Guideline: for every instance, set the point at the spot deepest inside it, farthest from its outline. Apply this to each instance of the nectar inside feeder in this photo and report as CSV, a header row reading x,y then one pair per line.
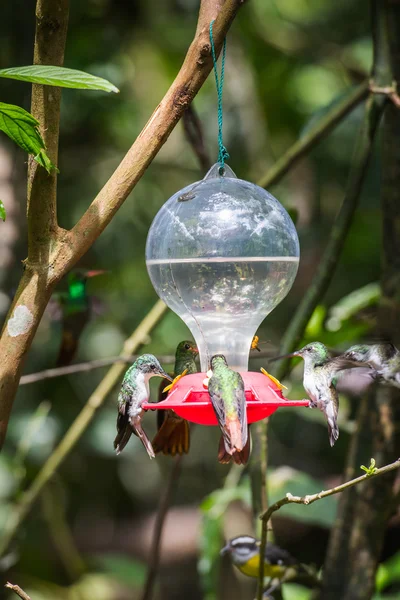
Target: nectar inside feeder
x,y
222,253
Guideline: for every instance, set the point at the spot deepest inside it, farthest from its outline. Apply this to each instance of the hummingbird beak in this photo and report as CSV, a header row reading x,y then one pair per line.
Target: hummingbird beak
x,y
90,274
292,355
162,373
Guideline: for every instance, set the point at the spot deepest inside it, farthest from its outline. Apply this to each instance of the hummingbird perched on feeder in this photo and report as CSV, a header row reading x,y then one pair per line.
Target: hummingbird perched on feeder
x,y
226,389
319,381
383,358
76,311
134,391
173,436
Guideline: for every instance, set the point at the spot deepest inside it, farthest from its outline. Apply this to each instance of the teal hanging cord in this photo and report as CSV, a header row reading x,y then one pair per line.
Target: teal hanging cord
x,y
219,81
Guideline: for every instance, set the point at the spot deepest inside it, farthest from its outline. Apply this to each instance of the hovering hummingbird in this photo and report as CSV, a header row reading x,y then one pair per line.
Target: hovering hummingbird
x,y
319,381
76,310
135,391
383,358
173,434
226,389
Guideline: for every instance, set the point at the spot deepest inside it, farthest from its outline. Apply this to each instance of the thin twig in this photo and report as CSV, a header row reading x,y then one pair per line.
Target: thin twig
x,y
99,363
163,505
313,136
82,421
311,498
306,500
17,590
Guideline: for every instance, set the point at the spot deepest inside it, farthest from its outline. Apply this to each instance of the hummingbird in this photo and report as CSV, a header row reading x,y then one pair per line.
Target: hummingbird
x,y
173,434
134,391
383,358
319,381
76,311
226,389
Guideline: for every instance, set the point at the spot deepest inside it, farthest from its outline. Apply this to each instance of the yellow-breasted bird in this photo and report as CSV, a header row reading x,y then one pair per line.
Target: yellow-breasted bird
x,y
173,436
226,389
244,552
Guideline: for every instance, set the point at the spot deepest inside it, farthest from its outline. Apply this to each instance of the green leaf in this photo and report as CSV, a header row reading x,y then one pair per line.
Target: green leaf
x,y
2,211
23,129
59,76
371,470
388,573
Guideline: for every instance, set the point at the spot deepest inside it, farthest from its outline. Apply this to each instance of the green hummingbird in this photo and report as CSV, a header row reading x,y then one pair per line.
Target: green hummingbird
x,y
319,381
134,391
76,310
226,389
383,358
173,436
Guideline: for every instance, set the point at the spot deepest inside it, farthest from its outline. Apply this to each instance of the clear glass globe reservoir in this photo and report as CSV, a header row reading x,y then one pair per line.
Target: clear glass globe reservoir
x,y
222,253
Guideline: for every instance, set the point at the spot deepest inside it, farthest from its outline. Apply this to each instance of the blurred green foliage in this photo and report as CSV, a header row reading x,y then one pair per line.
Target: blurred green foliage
x,y
288,61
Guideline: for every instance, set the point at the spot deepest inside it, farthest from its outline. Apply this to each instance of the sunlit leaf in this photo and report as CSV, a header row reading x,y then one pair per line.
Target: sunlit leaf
x,y
59,76
388,572
2,211
23,129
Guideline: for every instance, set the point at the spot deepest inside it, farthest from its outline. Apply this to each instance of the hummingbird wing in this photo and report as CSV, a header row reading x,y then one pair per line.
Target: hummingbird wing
x,y
229,402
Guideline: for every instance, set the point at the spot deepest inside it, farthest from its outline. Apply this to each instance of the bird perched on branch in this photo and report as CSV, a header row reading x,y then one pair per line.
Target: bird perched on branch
x,y
135,391
226,389
383,358
173,436
76,310
244,552
319,381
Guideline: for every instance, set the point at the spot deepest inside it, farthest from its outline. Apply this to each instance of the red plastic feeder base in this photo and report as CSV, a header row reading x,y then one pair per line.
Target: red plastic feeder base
x,y
190,399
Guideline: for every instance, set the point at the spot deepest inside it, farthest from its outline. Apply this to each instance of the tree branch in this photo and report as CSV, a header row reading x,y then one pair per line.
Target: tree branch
x,y
310,499
330,258
313,136
20,511
194,71
20,592
99,363
37,281
52,256
50,38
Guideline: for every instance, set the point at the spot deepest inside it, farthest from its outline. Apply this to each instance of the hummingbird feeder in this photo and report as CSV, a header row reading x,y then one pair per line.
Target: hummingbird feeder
x,y
222,253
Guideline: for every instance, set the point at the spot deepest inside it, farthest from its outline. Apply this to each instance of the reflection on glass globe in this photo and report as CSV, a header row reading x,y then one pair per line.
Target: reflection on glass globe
x,y
222,253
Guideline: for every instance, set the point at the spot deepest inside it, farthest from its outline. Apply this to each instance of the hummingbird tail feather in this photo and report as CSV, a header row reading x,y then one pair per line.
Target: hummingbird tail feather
x,y
137,425
122,438
333,432
235,435
173,437
239,457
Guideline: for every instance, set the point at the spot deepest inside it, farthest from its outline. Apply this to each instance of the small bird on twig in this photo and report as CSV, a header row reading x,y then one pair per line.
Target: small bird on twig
x,y
226,389
135,391
173,436
319,381
279,564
